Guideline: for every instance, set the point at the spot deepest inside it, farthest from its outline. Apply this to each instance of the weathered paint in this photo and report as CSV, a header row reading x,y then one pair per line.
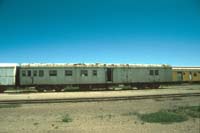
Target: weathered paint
x,y
174,76
188,73
120,75
61,78
7,74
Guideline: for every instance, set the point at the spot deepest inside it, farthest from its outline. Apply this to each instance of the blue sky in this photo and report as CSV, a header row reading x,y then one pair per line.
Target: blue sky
x,y
105,31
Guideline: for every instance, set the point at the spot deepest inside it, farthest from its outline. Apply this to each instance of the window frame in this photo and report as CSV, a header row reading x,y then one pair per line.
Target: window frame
x,y
156,72
41,73
53,73
84,73
151,72
35,73
68,73
195,74
23,73
29,73
94,73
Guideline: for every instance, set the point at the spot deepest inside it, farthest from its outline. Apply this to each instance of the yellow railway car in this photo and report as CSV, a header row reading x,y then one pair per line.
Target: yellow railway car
x,y
186,74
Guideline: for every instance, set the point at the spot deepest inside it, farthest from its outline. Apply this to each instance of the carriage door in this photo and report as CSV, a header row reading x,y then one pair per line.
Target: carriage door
x,y
157,75
179,76
29,77
151,76
154,75
109,75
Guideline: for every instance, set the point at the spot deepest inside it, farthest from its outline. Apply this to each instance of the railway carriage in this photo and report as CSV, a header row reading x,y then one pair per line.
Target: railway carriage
x,y
89,76
58,76
8,73
186,74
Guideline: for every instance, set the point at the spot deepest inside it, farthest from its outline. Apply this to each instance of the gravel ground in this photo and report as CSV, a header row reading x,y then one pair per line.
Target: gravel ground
x,y
95,117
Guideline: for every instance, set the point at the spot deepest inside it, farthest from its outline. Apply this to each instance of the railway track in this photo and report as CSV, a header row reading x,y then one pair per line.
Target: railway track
x,y
97,99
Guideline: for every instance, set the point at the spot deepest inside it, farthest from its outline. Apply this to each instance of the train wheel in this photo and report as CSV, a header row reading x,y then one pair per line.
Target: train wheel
x,y
141,87
58,90
39,89
153,86
156,86
2,90
150,86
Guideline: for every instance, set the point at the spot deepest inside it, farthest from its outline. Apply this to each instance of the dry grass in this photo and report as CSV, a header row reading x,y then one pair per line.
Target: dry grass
x,y
168,116
66,118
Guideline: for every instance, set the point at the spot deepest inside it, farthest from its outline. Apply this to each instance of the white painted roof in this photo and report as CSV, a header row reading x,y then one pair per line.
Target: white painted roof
x,y
8,64
186,68
90,65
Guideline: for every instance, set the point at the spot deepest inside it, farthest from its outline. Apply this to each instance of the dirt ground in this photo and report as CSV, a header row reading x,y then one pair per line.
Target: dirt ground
x,y
95,117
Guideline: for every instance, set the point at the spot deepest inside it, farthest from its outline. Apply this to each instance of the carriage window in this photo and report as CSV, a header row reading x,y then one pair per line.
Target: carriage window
x,y
41,73
150,72
156,72
29,73
23,73
68,72
52,73
94,72
84,73
195,74
35,73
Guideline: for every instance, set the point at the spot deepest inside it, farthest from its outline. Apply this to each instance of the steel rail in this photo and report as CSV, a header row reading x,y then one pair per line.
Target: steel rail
x,y
97,99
